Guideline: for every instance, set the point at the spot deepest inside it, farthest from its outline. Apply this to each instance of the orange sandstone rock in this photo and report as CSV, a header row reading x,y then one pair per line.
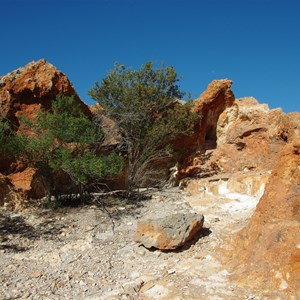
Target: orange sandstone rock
x,y
28,89
29,183
211,104
249,136
8,195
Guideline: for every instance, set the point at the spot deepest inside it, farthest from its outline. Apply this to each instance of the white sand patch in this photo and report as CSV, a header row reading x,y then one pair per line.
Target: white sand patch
x,y
241,202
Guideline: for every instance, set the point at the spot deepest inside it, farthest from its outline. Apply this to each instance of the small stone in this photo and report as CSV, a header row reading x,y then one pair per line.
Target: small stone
x,y
26,295
141,251
171,271
158,253
37,274
157,292
89,228
81,283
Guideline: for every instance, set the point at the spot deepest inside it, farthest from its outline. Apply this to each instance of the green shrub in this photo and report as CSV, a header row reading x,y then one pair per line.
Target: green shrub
x,y
143,104
63,140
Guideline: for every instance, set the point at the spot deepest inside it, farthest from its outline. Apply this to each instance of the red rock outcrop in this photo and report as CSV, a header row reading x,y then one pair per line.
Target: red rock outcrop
x,y
24,92
28,89
266,253
249,136
211,104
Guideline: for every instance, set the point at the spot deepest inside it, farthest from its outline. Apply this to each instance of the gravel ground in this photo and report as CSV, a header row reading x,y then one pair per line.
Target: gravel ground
x,y
87,252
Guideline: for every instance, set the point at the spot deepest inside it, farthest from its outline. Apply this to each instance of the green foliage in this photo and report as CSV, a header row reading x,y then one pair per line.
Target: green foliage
x,y
143,104
65,140
9,146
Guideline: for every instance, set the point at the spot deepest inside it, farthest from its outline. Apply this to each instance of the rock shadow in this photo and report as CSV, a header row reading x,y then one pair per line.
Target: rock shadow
x,y
120,205
14,228
202,233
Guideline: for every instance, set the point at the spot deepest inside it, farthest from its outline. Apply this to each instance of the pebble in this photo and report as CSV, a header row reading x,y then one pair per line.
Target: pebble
x,y
158,253
37,274
141,252
26,295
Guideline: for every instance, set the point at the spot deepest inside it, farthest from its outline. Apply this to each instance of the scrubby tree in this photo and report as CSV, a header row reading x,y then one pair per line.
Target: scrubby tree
x,y
144,104
64,140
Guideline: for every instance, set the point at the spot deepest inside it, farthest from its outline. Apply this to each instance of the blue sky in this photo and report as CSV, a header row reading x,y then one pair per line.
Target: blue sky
x,y
255,43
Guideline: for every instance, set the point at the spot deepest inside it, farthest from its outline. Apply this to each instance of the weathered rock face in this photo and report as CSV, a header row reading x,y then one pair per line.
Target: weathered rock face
x,y
211,104
28,89
249,136
267,251
220,185
255,141
170,232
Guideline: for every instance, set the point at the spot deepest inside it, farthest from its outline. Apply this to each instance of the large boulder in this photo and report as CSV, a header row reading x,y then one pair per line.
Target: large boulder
x,y
266,253
170,232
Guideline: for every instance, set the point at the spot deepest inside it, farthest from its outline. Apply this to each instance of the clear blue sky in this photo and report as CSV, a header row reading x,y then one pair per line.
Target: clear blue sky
x,y
256,43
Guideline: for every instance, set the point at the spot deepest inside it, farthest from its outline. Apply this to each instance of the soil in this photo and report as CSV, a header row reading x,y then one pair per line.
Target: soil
x,y
87,251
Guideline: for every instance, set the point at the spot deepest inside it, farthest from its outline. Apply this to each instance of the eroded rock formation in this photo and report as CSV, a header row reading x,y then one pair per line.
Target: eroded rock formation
x,y
267,251
253,137
211,104
249,136
29,183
